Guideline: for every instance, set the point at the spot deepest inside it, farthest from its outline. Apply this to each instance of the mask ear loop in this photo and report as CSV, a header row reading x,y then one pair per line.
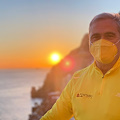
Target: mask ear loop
x,y
117,48
90,42
117,42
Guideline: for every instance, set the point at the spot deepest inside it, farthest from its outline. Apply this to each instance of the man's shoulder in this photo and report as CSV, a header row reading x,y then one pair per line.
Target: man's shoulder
x,y
84,70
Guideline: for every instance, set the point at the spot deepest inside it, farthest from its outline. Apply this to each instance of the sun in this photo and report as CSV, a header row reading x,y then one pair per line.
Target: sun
x,y
55,58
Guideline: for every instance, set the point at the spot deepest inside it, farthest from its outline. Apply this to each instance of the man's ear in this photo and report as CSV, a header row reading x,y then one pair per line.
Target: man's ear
x,y
89,39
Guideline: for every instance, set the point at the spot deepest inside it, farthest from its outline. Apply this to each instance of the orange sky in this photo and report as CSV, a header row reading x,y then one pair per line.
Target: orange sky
x,y
33,53
31,31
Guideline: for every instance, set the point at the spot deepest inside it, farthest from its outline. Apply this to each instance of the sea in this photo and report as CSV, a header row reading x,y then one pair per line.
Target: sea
x,y
15,88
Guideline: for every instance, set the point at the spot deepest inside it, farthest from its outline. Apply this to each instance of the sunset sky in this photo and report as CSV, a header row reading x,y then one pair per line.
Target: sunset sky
x,y
31,30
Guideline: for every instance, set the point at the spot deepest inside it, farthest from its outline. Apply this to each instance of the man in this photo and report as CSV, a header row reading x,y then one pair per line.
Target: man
x,y
94,92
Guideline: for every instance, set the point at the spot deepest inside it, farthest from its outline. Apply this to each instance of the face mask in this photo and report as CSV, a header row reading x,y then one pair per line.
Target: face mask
x,y
104,51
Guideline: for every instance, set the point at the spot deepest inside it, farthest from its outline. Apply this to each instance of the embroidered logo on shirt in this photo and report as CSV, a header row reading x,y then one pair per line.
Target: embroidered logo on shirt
x,y
118,95
84,95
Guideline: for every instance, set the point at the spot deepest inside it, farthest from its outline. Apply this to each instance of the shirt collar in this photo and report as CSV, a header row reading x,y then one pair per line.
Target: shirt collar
x,y
116,65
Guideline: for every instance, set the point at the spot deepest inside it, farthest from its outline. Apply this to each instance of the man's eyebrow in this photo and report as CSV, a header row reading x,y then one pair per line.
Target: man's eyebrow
x,y
95,34
112,33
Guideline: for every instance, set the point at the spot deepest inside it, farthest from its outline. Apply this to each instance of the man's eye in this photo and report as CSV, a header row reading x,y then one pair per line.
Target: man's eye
x,y
95,37
109,36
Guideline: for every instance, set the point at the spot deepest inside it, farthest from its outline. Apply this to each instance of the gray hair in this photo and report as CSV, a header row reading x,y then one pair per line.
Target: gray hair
x,y
114,16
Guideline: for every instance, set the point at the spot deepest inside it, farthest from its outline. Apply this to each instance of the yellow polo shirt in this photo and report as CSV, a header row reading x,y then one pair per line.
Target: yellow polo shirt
x,y
89,96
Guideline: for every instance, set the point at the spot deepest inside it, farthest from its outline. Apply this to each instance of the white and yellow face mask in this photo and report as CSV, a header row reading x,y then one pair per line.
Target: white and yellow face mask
x,y
103,51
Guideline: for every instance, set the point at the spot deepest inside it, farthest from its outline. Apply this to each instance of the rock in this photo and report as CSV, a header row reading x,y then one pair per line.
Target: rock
x,y
39,110
33,92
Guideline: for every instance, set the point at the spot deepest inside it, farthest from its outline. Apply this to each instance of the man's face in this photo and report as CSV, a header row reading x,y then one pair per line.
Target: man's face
x,y
104,29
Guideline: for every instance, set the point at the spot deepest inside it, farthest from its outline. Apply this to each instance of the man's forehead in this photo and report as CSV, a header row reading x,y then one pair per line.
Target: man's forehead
x,y
107,25
108,21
